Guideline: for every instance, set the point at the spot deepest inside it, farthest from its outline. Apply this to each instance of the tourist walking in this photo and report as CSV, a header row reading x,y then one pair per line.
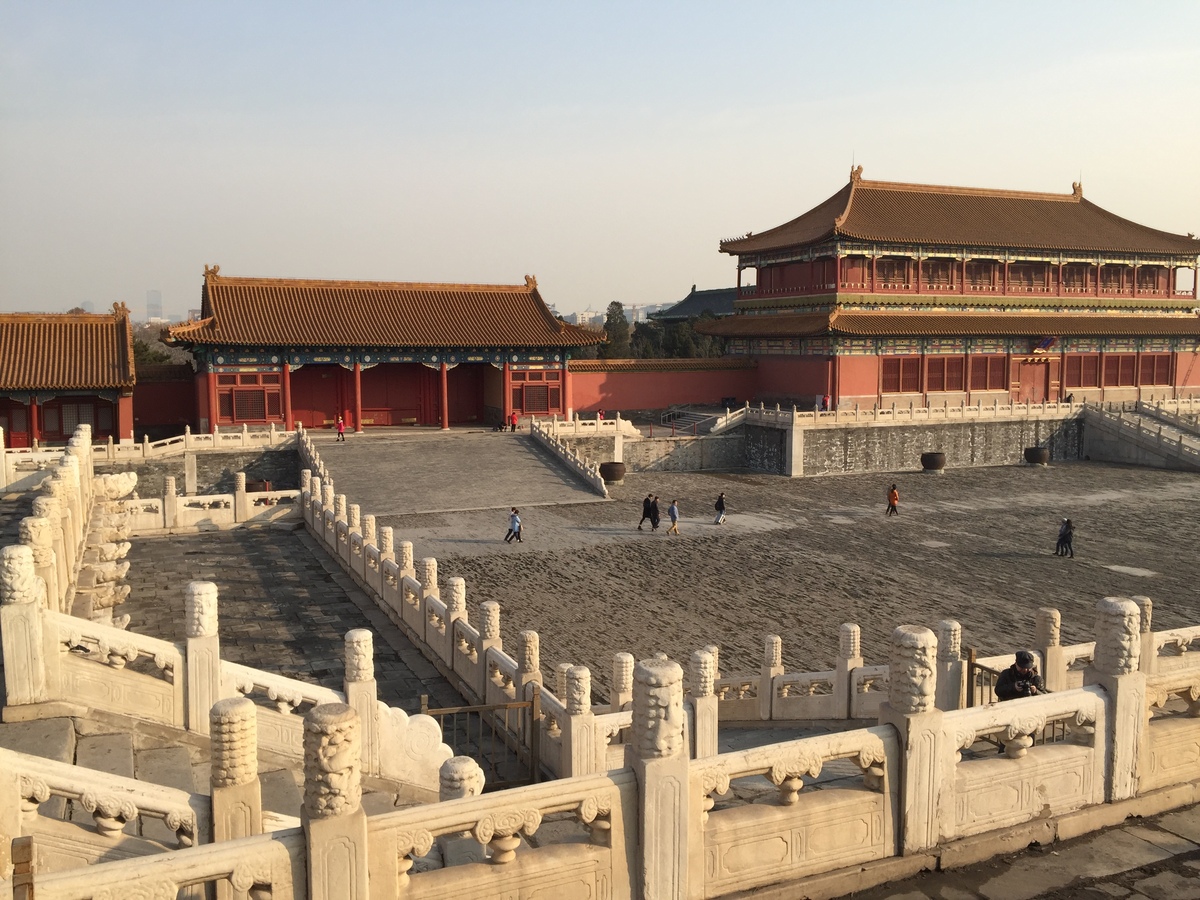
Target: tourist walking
x,y
646,506
514,527
512,421
341,427
655,516
893,501
1068,539
720,508
673,514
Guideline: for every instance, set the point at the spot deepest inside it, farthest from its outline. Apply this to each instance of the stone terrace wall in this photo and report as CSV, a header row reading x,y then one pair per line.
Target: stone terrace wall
x,y
686,454
215,471
890,448
766,449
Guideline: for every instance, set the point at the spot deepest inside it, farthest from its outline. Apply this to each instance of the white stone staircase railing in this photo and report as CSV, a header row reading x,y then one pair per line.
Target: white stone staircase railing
x,y
583,468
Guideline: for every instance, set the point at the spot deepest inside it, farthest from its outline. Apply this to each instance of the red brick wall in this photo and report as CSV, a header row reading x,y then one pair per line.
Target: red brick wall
x,y
163,408
657,390
801,378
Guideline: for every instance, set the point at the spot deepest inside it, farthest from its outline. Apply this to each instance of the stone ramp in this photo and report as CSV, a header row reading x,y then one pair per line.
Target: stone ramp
x,y
407,472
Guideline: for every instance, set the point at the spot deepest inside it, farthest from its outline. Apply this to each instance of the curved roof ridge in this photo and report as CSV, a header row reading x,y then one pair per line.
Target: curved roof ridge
x,y
1074,197
251,281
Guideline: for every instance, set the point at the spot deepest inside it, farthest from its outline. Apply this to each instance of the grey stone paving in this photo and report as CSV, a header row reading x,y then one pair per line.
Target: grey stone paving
x,y
284,607
410,471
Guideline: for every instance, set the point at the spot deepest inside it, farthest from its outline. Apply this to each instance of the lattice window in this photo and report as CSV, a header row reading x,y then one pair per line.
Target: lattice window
x,y
50,420
988,373
225,406
901,374
274,406
226,379
1119,369
249,406
537,399
1155,369
555,397
247,379
104,417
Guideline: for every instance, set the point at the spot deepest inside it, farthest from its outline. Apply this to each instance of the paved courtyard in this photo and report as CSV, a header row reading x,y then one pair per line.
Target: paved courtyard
x,y
407,471
284,607
799,557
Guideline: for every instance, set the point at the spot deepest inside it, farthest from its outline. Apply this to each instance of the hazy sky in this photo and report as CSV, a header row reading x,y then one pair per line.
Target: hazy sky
x,y
604,147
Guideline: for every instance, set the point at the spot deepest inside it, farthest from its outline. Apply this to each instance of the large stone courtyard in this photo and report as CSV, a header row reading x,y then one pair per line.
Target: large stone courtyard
x,y
799,557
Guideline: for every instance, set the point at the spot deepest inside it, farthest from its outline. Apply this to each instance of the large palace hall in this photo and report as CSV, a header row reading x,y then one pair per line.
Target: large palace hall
x,y
904,293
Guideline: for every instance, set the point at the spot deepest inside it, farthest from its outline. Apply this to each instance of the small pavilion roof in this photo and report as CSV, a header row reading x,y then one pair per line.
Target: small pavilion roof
x,y
886,323
894,212
66,351
718,301
302,313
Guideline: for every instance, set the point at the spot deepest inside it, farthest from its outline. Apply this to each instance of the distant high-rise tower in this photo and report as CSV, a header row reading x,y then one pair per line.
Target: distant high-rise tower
x,y
153,305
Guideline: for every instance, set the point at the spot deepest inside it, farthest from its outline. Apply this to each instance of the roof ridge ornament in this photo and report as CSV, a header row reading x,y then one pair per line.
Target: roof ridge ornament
x,y
531,282
1077,189
855,174
211,270
120,310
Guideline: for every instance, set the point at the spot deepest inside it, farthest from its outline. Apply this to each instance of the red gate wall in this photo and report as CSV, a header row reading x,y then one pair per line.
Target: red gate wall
x,y
649,389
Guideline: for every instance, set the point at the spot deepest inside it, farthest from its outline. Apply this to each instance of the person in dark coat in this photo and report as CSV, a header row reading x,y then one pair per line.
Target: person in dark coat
x,y
1021,679
1062,531
655,516
720,508
646,504
1068,538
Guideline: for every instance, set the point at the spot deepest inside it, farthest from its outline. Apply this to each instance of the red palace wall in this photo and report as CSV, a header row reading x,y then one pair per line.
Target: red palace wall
x,y
650,389
1187,373
800,378
857,376
162,408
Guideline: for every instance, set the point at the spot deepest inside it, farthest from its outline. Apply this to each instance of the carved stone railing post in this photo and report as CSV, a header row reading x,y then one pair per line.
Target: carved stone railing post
x,y
716,655
21,633
1148,661
368,530
658,754
1047,634
170,502
335,826
339,508
327,494
387,549
459,777
849,658
37,533
404,559
622,684
354,517
362,694
772,666
305,481
912,711
579,750
704,704
489,637
203,653
529,663
241,503
48,508
1115,668
236,790
951,673
312,515
427,574
560,680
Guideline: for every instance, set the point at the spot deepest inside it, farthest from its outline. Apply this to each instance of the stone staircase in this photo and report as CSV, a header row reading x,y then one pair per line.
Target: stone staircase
x,y
1147,437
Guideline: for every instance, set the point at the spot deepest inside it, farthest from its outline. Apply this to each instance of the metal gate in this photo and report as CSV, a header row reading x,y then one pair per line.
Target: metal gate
x,y
503,738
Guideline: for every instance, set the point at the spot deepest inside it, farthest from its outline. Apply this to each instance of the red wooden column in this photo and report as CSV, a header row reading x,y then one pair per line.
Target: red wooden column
x,y
35,431
358,395
1097,279
1135,280
212,401
506,402
874,259
568,401
287,396
1059,292
124,421
1004,289
963,286
918,273
445,400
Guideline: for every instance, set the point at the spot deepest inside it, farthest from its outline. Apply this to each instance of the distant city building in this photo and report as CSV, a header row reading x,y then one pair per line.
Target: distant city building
x,y
719,302
193,315
154,306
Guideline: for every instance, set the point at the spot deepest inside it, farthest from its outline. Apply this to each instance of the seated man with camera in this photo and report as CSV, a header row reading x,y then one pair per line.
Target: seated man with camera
x,y
1021,679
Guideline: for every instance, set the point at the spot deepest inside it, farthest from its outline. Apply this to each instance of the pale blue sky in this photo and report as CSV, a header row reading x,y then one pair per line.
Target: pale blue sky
x,y
604,147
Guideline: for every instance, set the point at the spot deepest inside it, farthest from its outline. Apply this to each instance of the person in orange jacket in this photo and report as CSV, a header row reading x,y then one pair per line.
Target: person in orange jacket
x,y
893,500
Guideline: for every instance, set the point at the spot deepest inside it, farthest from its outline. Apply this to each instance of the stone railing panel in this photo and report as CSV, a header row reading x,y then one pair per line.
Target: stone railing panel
x,y
847,822
868,688
1171,742
1027,781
